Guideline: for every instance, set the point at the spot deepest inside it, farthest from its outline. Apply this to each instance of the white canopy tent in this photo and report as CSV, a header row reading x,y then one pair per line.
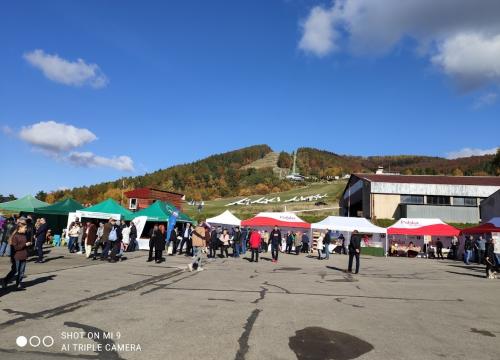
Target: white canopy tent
x,y
97,215
346,225
226,218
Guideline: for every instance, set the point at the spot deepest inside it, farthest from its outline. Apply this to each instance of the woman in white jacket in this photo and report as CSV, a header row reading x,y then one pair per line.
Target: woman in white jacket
x,y
319,246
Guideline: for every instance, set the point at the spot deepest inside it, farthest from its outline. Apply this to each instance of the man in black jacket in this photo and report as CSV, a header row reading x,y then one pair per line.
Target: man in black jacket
x,y
133,237
237,242
40,235
326,242
275,239
214,240
354,250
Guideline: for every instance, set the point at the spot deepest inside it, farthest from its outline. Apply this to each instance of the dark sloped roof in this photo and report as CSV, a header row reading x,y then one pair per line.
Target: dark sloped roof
x,y
433,179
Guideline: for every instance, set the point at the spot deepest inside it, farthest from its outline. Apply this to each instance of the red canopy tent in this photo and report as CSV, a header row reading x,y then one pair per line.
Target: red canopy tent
x,y
421,227
281,219
493,225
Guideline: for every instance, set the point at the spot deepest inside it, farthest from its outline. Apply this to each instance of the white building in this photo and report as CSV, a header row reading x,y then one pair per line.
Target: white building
x,y
450,198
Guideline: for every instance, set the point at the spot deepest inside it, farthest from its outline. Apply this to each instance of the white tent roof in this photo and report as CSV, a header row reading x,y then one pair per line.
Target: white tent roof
x,y
340,223
226,218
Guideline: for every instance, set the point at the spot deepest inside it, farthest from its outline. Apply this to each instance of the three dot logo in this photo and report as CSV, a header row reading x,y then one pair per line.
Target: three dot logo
x,y
35,341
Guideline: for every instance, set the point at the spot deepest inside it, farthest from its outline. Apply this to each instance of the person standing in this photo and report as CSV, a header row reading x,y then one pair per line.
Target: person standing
x,y
454,247
9,228
185,239
289,242
275,238
305,243
107,232
255,245
354,250
298,243
73,236
126,235
237,242
326,243
481,249
265,241
224,243
133,238
212,243
467,249
115,237
40,237
159,241
439,249
90,238
245,235
490,258
153,234
319,246
19,244
198,237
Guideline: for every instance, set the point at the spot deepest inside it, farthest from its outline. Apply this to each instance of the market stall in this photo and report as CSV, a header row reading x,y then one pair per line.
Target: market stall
x,y
104,210
57,213
375,236
157,212
225,219
491,226
418,232
26,204
286,221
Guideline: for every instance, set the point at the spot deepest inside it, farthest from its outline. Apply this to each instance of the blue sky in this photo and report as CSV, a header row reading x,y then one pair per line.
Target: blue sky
x,y
166,82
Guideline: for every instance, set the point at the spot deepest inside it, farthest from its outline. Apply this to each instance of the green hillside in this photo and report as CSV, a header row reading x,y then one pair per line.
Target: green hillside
x,y
334,190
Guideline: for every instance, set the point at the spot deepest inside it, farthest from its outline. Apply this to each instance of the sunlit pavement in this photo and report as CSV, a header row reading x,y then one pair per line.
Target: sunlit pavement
x,y
396,308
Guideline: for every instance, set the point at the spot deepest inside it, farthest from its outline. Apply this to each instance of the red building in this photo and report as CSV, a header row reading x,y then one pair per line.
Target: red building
x,y
141,198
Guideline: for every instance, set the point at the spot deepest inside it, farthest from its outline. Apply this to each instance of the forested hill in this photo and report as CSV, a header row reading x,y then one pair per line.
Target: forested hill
x,y
319,163
232,174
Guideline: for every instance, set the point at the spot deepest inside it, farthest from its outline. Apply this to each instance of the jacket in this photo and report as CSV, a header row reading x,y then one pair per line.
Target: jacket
x,y
237,237
198,236
41,232
91,235
214,238
275,237
224,238
19,246
355,243
106,231
254,240
328,239
133,231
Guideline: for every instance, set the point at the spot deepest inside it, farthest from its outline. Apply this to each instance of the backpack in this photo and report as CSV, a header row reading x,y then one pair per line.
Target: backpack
x,y
112,235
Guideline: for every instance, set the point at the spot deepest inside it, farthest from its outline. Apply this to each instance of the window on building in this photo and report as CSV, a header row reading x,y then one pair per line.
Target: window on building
x,y
464,201
412,199
438,200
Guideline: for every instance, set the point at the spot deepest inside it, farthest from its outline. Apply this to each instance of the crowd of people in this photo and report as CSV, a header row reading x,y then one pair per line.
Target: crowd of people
x,y
213,239
113,238
21,237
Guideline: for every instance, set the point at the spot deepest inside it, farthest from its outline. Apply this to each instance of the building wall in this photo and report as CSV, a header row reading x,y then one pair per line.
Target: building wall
x,y
386,206
433,189
457,214
490,207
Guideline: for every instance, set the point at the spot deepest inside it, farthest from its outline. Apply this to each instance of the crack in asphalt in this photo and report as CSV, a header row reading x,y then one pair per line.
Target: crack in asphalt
x,y
75,305
243,340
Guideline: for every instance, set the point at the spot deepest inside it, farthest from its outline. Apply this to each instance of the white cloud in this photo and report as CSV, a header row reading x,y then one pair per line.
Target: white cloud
x,y
76,73
472,59
318,34
485,100
468,152
89,159
449,32
56,137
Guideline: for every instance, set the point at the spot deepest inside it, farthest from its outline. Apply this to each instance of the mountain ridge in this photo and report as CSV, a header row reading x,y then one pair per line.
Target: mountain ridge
x,y
230,174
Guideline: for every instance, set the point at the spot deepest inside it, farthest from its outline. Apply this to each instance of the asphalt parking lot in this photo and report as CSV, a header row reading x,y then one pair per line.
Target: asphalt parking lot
x,y
300,308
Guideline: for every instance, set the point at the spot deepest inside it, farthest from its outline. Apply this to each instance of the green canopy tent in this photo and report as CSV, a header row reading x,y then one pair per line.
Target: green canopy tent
x,y
26,204
57,213
63,207
104,210
160,211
